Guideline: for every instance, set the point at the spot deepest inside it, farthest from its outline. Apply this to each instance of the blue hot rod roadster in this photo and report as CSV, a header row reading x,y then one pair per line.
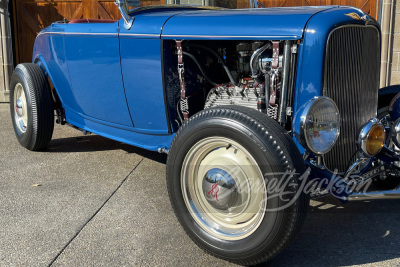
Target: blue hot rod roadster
x,y
258,109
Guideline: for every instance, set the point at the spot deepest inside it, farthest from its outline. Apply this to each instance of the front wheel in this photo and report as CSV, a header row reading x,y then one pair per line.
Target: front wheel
x,y
233,177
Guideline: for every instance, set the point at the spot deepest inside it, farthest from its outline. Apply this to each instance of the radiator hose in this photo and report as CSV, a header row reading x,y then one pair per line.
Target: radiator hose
x,y
228,72
200,67
254,65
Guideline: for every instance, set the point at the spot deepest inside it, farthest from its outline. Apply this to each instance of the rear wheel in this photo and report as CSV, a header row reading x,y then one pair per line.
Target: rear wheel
x,y
31,107
227,184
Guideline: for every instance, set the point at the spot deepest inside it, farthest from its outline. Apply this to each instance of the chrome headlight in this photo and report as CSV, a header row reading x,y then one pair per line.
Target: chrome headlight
x,y
372,137
319,125
396,132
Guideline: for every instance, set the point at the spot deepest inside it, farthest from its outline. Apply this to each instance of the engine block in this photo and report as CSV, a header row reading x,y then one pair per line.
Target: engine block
x,y
246,95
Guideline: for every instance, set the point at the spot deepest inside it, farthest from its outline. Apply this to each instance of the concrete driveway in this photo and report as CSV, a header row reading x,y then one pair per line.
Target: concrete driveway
x,y
89,201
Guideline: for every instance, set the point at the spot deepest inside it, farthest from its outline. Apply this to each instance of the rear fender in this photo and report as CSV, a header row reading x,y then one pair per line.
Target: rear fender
x,y
39,60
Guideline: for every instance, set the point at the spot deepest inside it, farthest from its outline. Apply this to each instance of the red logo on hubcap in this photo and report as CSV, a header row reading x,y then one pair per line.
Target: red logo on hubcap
x,y
214,191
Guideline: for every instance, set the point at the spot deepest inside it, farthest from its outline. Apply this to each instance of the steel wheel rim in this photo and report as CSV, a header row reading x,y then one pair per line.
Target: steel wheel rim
x,y
21,108
223,188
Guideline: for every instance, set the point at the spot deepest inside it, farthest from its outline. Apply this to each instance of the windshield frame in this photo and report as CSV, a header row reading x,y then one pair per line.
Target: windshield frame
x,y
128,15
252,4
172,6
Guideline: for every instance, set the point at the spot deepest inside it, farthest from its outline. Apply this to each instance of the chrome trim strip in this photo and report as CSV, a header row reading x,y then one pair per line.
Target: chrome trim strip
x,y
79,33
230,36
170,36
42,33
140,34
107,34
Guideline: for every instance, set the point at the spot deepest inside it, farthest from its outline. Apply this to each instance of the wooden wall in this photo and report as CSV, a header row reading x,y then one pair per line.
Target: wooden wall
x,y
368,6
30,16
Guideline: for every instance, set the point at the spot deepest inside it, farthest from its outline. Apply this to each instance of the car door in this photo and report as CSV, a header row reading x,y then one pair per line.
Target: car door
x,y
92,51
142,69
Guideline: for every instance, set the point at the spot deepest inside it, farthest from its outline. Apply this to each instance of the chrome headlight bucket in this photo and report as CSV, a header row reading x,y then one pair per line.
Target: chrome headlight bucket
x,y
319,125
371,138
396,132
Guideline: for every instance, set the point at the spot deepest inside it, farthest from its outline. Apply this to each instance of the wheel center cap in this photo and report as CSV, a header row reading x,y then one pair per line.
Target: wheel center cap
x,y
18,108
219,189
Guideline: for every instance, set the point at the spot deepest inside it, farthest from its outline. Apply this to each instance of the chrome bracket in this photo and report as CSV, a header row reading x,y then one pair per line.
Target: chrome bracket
x,y
123,9
317,163
353,167
163,150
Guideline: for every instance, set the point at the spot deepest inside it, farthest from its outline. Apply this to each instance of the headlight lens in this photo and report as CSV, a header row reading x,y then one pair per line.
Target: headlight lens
x,y
372,137
320,125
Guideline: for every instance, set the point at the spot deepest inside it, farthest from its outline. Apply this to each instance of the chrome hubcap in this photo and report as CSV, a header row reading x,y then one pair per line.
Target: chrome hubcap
x,y
223,188
21,109
219,189
18,108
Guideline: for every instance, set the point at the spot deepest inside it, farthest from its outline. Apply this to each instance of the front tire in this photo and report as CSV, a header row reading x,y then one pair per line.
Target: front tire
x,y
220,183
31,107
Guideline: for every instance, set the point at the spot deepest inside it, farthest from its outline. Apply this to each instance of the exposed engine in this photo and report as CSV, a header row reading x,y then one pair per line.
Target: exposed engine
x,y
260,72
246,93
253,74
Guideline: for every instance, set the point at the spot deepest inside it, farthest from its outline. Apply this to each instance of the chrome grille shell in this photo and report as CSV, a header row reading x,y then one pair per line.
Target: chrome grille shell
x,y
351,79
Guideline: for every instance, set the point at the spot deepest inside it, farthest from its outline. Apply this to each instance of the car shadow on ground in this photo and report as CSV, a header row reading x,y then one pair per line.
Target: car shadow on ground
x,y
333,234
93,143
343,234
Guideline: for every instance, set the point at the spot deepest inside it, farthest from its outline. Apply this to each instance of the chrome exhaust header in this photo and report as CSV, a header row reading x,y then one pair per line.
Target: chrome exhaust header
x,y
373,195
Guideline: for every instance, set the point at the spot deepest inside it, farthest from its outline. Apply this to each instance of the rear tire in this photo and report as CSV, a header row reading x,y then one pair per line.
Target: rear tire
x,y
31,107
212,160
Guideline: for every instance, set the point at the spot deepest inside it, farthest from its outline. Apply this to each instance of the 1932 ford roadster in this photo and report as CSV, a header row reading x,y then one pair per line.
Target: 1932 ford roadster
x,y
258,109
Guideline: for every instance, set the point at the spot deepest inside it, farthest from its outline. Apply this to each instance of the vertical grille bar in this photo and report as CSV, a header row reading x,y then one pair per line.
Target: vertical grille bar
x,y
351,79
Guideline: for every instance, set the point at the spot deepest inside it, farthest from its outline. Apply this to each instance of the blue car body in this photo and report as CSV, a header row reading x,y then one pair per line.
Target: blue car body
x,y
259,110
110,80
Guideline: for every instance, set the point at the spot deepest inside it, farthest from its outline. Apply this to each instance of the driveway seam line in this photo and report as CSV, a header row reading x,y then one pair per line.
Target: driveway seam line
x,y
94,214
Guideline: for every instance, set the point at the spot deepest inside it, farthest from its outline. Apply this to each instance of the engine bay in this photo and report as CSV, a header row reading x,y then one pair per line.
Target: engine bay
x,y
206,74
